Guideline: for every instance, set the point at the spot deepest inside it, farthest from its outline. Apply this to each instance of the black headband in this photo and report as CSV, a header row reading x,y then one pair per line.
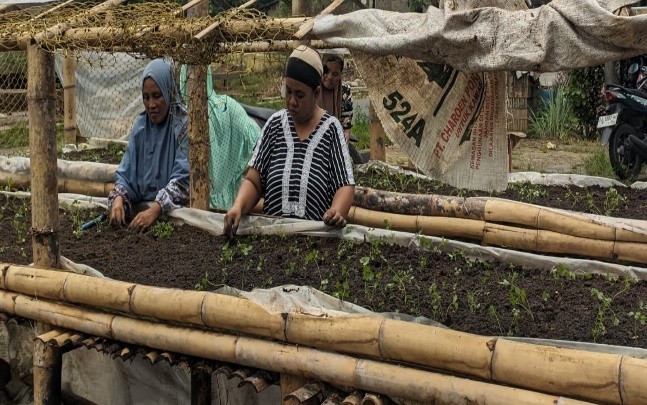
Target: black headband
x,y
300,70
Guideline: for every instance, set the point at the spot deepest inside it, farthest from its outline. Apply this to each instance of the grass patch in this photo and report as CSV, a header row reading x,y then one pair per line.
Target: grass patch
x,y
598,164
555,119
17,136
362,130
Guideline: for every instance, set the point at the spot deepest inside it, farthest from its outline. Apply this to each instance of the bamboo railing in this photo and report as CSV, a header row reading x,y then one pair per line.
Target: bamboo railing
x,y
602,377
403,382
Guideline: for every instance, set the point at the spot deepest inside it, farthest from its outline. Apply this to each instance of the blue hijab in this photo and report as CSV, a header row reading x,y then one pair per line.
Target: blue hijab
x,y
156,153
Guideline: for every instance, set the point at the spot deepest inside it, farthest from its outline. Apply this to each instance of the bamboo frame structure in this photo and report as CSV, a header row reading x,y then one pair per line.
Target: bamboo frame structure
x,y
41,103
339,369
69,100
493,210
377,136
199,151
48,362
308,25
276,28
576,373
91,188
494,234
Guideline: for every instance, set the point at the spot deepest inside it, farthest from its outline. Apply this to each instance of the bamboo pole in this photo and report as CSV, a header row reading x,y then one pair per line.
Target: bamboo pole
x,y
275,28
377,136
483,357
271,46
199,149
205,32
370,375
308,25
493,210
59,29
290,384
69,99
47,362
301,7
51,10
95,189
41,104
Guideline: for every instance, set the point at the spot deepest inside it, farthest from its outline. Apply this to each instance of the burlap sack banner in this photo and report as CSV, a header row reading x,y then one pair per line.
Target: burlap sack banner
x,y
449,123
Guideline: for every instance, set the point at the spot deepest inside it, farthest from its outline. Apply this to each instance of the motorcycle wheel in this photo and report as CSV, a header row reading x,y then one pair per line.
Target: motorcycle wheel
x,y
626,163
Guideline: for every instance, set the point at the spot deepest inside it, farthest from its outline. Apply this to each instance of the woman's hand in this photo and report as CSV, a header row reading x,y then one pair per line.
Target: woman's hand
x,y
145,219
333,218
117,212
231,221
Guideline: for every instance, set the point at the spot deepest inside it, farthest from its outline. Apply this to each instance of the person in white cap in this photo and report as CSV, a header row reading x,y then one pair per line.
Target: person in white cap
x,y
300,166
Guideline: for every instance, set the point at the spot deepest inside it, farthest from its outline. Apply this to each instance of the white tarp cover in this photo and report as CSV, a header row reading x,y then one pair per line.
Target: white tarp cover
x,y
562,35
108,92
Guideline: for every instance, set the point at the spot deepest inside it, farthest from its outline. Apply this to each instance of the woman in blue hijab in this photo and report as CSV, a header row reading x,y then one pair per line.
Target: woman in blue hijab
x,y
155,166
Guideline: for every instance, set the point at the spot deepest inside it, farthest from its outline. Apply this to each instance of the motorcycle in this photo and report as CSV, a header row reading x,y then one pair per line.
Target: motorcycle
x,y
261,114
624,124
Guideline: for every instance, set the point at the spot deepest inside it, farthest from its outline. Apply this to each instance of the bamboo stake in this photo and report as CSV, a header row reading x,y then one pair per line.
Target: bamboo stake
x,y
51,10
215,25
59,29
292,383
384,378
271,46
199,149
374,336
188,5
307,26
47,362
69,99
41,102
377,135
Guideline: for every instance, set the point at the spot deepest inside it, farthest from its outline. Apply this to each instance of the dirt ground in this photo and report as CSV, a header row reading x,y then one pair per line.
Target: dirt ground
x,y
532,155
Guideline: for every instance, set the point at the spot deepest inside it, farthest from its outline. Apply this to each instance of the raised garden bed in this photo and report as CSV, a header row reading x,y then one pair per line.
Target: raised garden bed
x,y
477,297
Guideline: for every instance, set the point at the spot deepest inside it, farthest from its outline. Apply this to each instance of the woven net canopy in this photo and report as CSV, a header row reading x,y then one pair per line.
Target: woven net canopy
x,y
151,29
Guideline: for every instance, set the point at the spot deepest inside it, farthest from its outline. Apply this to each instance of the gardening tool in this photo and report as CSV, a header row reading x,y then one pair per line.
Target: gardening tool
x,y
92,223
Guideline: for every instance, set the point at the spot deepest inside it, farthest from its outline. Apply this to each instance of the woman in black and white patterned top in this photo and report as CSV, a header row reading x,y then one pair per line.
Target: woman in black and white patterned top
x,y
300,166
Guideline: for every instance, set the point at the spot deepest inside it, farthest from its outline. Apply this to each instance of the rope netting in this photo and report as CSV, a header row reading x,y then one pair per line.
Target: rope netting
x,y
152,29
110,43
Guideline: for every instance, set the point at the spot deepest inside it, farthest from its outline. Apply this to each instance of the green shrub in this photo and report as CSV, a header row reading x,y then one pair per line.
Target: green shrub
x,y
584,93
555,118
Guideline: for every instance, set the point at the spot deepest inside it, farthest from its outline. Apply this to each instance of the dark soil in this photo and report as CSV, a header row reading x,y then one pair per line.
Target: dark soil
x,y
476,297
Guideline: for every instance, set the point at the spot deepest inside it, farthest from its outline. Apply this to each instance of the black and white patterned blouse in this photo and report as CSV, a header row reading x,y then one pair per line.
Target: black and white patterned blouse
x,y
346,106
300,178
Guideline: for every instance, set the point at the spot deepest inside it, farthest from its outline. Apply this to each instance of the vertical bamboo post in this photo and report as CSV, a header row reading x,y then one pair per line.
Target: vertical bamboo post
x,y
198,125
301,7
378,151
201,385
69,99
290,383
41,105
47,363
